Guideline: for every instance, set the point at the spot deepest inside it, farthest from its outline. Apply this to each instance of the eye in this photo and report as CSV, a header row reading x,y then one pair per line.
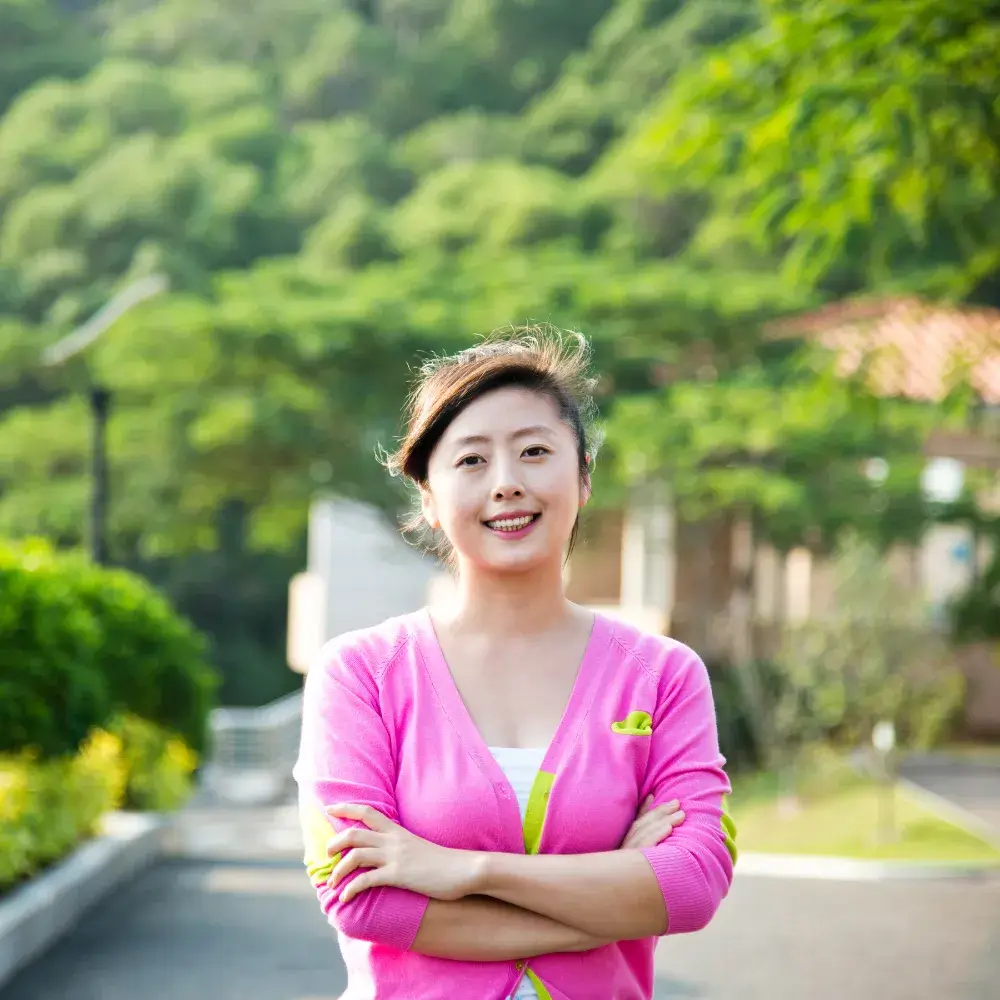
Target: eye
x,y
468,462
536,451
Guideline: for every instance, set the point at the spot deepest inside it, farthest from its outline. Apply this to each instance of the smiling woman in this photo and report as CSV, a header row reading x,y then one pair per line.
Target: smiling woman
x,y
513,798
528,393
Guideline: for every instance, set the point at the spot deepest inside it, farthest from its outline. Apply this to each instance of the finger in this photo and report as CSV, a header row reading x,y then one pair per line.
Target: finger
x,y
647,804
635,832
372,818
672,806
366,880
363,857
656,833
653,828
353,836
654,815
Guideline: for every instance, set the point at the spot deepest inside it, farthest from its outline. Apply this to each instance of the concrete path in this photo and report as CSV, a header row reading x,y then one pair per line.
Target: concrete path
x,y
252,931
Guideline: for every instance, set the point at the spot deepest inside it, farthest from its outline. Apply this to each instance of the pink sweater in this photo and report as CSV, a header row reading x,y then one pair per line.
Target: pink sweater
x,y
384,725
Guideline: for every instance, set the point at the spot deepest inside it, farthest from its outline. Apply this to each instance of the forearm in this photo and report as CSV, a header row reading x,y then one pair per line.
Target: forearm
x,y
612,896
478,929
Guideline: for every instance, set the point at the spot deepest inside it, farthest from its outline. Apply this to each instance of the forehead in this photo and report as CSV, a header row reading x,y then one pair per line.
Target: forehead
x,y
502,412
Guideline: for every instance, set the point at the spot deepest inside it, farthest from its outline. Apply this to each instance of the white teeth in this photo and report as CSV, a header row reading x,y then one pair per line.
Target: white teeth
x,y
510,523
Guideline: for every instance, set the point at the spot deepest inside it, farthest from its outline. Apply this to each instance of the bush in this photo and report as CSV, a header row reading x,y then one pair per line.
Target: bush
x,y
80,643
158,766
874,658
52,690
153,659
734,718
48,806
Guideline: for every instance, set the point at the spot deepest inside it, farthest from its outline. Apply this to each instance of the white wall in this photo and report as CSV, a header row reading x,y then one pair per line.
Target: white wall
x,y
370,573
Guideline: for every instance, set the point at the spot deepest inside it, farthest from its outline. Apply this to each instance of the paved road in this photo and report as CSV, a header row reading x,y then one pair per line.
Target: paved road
x,y
973,785
251,931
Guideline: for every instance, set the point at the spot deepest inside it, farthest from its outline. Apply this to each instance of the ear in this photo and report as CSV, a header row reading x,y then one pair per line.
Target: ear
x,y
428,509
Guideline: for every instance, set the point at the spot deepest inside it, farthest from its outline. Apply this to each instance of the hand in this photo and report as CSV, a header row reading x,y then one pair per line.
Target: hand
x,y
394,856
653,826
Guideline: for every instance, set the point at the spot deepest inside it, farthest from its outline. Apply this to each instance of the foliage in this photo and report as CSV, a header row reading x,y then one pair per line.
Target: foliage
x,y
237,597
734,721
158,765
81,642
48,807
52,689
333,191
153,660
856,142
873,658
789,444
336,189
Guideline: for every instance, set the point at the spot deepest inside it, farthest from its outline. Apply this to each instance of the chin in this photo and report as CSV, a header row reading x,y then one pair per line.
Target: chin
x,y
516,562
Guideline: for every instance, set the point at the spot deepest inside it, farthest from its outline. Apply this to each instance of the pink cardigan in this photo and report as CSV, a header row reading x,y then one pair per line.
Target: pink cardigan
x,y
384,725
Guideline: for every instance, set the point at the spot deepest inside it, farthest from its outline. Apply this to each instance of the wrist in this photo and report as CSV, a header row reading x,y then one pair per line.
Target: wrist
x,y
477,872
587,942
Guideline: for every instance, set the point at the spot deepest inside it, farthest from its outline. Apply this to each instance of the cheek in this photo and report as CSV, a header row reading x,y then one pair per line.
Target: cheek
x,y
559,489
458,505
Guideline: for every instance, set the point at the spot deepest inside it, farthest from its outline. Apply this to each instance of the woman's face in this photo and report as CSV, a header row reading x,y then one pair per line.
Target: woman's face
x,y
504,483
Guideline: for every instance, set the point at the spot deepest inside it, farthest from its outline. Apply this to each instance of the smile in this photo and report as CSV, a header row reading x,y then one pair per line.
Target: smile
x,y
511,525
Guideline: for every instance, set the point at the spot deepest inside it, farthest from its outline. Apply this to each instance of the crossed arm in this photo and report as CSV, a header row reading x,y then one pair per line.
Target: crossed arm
x,y
541,904
384,884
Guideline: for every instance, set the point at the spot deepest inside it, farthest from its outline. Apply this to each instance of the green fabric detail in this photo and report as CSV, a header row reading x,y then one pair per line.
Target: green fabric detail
x,y
729,832
316,831
634,724
543,993
534,814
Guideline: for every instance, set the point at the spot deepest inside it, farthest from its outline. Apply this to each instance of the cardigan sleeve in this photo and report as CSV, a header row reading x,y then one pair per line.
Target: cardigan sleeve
x,y
694,866
346,755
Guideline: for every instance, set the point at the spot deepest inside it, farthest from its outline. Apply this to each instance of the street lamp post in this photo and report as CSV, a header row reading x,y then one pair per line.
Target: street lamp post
x,y
100,406
99,399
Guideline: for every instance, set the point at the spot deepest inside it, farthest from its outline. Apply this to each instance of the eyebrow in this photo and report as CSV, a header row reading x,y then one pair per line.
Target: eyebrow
x,y
523,432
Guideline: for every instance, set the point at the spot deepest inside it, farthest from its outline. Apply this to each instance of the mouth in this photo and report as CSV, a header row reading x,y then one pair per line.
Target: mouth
x,y
512,524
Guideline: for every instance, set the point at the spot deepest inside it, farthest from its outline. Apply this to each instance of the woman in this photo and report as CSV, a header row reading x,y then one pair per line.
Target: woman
x,y
488,795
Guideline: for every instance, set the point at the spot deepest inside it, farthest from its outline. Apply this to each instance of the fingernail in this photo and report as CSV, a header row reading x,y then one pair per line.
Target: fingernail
x,y
673,804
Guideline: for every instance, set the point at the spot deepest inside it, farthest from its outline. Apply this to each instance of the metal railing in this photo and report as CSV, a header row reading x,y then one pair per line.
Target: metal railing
x,y
253,751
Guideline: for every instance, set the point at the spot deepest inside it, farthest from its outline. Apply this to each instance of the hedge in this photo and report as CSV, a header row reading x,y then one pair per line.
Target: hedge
x,y
81,644
48,807
153,660
52,689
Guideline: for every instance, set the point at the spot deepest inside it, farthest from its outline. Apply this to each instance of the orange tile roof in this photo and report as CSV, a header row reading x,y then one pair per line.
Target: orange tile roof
x,y
919,350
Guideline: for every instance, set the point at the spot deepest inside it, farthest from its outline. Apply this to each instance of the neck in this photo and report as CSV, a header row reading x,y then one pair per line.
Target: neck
x,y
506,604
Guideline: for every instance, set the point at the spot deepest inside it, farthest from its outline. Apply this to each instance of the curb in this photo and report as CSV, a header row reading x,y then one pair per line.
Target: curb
x,y
831,869
35,915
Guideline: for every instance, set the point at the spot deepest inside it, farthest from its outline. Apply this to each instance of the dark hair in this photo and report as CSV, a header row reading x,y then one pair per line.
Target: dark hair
x,y
541,359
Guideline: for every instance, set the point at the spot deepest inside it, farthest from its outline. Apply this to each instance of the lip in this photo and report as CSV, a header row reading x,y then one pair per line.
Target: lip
x,y
512,513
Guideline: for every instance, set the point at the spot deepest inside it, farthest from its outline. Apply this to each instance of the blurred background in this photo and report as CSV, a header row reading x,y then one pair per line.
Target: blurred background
x,y
227,233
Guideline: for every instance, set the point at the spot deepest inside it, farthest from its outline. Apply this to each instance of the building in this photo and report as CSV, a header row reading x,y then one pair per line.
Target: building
x,y
710,585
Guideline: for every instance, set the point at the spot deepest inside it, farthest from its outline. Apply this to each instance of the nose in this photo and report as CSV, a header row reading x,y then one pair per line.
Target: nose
x,y
507,493
507,483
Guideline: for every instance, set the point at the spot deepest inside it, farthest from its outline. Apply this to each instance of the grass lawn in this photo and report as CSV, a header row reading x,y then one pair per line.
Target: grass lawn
x,y
843,822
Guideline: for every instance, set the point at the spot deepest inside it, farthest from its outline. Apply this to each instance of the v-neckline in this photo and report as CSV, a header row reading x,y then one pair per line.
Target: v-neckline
x,y
580,697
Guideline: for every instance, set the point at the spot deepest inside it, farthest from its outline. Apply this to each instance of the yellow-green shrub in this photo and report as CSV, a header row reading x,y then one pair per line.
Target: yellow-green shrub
x,y
158,765
48,806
